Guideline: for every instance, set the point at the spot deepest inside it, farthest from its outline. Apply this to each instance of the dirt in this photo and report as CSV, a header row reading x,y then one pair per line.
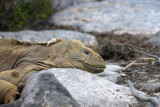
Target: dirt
x,y
124,49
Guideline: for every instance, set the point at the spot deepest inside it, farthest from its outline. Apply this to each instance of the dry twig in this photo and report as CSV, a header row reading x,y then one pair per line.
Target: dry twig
x,y
155,101
133,63
148,58
154,56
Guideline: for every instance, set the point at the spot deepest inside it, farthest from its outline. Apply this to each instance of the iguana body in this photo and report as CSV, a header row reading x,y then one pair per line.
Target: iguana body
x,y
20,59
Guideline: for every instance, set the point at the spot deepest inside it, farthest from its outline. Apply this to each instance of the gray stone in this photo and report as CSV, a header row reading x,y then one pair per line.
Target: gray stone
x,y
45,35
89,90
154,39
61,4
45,91
111,72
136,17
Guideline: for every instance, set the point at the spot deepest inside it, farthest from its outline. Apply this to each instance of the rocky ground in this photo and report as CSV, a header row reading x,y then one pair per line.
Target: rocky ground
x,y
124,49
121,31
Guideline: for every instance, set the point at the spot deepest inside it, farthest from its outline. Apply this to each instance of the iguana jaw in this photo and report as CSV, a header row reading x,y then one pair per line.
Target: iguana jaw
x,y
94,68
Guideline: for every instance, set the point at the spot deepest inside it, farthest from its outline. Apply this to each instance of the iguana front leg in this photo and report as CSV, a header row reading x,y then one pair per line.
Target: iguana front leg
x,y
11,79
8,92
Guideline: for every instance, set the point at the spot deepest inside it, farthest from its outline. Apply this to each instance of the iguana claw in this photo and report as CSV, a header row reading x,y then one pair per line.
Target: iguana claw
x,y
20,87
17,93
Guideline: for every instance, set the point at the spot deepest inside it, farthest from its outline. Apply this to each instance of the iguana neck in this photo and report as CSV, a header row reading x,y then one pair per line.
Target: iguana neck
x,y
45,56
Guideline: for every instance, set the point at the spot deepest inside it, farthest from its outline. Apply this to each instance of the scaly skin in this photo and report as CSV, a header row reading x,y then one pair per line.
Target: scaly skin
x,y
21,59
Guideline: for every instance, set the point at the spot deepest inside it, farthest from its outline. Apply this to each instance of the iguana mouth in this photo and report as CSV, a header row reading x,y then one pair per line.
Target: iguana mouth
x,y
99,68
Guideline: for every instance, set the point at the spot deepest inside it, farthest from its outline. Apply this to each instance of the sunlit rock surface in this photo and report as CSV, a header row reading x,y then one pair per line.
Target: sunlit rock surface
x,y
111,72
86,88
136,17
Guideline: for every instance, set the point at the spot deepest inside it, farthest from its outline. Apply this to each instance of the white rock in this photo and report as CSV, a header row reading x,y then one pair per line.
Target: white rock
x,y
111,72
45,35
136,17
89,90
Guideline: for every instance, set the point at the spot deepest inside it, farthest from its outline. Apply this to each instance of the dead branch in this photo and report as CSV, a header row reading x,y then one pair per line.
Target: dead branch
x,y
133,63
149,58
153,100
154,56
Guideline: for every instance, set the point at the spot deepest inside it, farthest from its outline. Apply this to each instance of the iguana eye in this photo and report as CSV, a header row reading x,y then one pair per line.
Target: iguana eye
x,y
87,52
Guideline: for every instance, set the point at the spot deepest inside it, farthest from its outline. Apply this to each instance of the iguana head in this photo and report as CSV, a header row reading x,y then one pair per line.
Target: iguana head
x,y
84,58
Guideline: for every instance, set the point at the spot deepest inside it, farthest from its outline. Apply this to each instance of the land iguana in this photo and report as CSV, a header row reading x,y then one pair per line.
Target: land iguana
x,y
20,59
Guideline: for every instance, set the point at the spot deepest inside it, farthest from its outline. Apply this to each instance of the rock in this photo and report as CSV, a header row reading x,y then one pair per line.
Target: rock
x,y
111,72
44,91
135,17
154,39
45,35
89,90
61,4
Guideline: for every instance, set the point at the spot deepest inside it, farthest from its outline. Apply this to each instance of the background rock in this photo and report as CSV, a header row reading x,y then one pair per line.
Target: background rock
x,y
45,35
89,90
112,16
